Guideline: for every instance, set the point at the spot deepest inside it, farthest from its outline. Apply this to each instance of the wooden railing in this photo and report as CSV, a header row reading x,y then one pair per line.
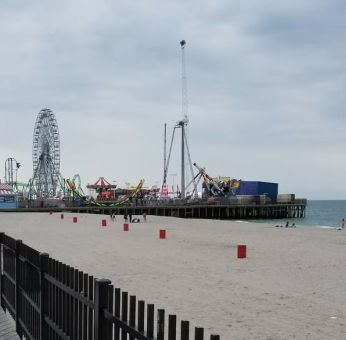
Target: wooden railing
x,y
51,300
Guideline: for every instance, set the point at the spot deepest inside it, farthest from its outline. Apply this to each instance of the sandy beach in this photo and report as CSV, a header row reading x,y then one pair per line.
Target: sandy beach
x,y
292,285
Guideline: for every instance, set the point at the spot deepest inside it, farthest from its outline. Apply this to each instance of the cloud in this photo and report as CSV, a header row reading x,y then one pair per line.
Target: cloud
x,y
265,87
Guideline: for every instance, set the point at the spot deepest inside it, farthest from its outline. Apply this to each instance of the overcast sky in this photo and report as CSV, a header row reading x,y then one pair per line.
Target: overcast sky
x,y
266,88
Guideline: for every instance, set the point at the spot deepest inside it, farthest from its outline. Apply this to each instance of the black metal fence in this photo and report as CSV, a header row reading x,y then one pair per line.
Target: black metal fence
x,y
50,300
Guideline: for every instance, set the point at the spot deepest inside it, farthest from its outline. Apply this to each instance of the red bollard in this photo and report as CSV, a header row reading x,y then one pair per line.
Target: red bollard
x,y
126,227
241,251
162,234
62,216
74,219
104,223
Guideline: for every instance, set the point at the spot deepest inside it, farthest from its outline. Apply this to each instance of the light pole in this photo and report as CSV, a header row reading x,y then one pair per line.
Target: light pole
x,y
173,175
114,189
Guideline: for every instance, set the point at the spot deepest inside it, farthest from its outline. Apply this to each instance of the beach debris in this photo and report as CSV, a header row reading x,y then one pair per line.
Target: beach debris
x,y
104,223
126,227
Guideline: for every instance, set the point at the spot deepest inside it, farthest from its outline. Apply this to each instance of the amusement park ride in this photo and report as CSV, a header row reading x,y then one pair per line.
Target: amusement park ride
x,y
74,187
109,195
48,183
46,180
211,187
11,170
182,124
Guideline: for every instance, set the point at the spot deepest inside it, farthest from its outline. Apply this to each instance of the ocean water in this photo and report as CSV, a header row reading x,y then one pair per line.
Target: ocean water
x,y
320,214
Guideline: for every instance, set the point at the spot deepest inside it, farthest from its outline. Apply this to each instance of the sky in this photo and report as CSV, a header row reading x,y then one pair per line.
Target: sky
x,y
265,79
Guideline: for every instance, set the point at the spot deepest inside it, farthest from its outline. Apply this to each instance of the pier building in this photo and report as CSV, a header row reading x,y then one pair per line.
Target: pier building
x,y
8,198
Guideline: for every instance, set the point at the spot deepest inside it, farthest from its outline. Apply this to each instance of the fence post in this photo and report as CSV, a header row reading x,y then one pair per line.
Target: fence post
x,y
17,290
185,330
102,327
172,327
1,261
150,320
160,324
199,333
124,309
43,295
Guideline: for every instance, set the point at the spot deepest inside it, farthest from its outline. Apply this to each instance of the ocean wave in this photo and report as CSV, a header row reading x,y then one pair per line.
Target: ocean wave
x,y
325,227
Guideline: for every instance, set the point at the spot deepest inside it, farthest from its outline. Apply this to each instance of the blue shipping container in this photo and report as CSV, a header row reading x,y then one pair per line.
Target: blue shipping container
x,y
258,188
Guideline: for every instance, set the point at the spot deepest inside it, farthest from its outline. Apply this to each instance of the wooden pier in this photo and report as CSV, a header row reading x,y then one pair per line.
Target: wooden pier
x,y
225,212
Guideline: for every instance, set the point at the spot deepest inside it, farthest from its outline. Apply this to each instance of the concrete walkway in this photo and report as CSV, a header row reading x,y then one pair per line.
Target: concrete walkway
x,y
7,327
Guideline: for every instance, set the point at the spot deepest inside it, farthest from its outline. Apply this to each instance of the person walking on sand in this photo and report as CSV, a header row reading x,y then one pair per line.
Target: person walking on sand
x,y
113,216
343,223
144,216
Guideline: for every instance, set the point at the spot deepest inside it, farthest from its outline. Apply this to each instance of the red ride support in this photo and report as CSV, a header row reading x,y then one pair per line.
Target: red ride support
x,y
74,219
104,223
162,234
126,227
241,251
62,216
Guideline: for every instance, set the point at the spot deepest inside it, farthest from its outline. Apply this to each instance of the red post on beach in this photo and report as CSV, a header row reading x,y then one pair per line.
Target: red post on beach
x,y
74,219
162,234
104,223
126,227
62,216
241,251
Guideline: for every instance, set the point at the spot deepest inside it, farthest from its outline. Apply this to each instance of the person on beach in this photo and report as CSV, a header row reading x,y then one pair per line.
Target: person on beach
x,y
144,217
287,224
113,216
130,216
125,217
343,223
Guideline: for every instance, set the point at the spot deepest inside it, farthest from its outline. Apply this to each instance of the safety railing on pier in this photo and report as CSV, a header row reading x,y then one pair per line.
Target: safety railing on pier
x,y
229,201
51,300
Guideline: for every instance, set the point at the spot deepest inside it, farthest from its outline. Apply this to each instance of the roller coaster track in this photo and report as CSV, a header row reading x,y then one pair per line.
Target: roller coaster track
x,y
74,186
122,201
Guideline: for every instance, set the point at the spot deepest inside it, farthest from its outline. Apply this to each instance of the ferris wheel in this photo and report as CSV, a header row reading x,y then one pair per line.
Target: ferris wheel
x,y
46,180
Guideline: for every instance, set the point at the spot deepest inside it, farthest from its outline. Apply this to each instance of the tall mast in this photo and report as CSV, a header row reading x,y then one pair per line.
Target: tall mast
x,y
182,159
164,156
184,120
182,124
184,102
